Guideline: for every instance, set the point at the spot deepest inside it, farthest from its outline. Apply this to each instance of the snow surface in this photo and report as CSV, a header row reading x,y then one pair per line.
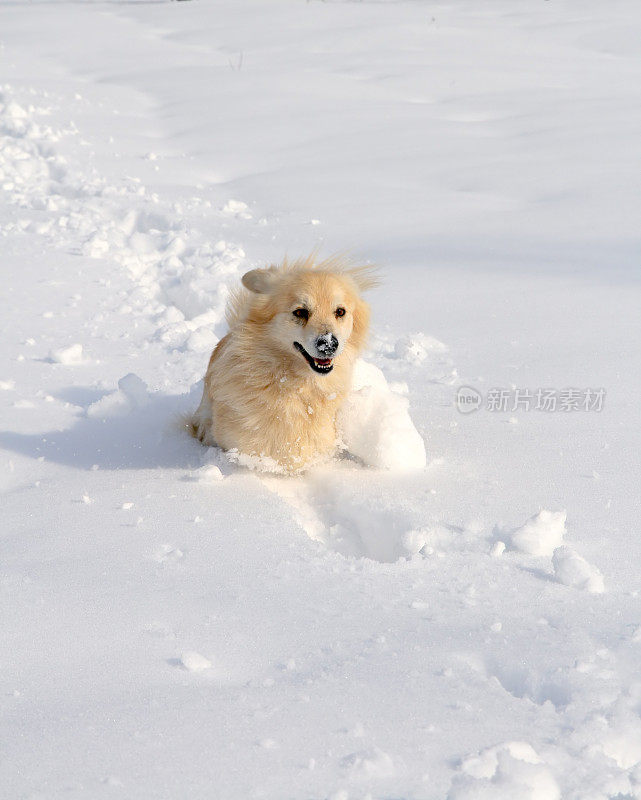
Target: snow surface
x,y
175,625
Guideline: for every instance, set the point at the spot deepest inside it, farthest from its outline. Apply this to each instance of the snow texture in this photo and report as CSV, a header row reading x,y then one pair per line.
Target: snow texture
x,y
388,625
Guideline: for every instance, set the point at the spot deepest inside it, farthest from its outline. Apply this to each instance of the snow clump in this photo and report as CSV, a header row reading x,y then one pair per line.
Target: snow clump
x,y
571,569
194,662
541,534
508,771
375,425
131,395
67,355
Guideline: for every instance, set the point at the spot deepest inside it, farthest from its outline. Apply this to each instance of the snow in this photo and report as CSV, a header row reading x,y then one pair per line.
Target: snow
x,y
131,394
450,610
542,534
67,355
209,473
368,764
374,423
415,348
571,569
194,662
508,770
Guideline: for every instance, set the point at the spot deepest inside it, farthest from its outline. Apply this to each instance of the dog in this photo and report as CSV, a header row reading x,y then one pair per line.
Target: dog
x,y
275,382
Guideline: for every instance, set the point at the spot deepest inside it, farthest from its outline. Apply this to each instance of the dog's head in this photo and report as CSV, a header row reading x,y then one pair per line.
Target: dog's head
x,y
313,314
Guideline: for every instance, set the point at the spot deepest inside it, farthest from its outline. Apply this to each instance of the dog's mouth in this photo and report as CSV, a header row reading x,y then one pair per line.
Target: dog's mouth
x,y
320,365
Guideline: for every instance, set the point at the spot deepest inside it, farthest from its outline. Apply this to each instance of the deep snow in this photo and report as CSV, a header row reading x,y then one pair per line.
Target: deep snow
x,y
175,625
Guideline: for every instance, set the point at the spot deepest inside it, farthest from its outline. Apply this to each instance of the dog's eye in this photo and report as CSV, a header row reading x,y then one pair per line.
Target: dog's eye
x,y
340,311
301,313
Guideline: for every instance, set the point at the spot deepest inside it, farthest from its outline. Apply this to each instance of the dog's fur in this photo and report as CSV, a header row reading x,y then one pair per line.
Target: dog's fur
x,y
263,395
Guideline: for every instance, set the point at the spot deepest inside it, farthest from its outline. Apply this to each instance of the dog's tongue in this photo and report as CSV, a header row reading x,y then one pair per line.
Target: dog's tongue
x,y
323,361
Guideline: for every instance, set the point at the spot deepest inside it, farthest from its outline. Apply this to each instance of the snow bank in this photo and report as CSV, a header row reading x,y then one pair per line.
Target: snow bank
x,y
572,569
375,425
541,534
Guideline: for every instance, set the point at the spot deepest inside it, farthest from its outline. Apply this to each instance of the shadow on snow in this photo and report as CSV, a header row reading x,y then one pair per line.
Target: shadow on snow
x,y
131,438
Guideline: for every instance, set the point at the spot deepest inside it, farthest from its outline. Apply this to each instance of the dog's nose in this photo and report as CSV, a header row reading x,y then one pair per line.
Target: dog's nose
x,y
327,344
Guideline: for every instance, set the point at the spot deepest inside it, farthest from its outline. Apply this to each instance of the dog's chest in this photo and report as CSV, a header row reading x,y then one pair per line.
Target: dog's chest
x,y
305,400
291,421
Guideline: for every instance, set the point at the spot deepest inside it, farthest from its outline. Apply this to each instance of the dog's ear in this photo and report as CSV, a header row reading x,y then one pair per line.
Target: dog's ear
x,y
365,277
260,281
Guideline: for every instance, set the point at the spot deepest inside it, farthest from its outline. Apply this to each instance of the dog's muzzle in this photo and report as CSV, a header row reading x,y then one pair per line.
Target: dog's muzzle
x,y
322,365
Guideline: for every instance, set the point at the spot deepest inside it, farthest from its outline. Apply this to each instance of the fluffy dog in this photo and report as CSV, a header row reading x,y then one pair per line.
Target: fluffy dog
x,y
276,380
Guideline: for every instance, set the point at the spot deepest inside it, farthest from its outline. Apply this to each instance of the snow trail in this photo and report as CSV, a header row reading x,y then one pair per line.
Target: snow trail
x,y
180,278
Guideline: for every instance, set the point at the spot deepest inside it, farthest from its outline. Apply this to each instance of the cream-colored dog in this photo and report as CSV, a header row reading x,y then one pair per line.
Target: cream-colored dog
x,y
276,380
